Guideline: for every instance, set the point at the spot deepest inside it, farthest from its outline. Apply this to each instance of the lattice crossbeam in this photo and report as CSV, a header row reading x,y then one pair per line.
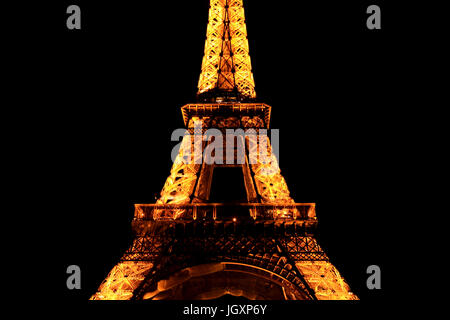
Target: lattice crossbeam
x,y
123,279
325,280
181,181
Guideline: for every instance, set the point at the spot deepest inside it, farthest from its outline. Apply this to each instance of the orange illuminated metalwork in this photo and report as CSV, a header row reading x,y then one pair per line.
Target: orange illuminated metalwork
x,y
226,64
187,247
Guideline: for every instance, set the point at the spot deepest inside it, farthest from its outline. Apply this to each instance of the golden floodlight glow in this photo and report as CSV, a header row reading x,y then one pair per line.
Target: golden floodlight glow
x,y
226,64
283,254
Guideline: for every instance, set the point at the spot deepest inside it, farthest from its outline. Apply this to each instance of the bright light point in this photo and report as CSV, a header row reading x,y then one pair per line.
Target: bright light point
x,y
234,219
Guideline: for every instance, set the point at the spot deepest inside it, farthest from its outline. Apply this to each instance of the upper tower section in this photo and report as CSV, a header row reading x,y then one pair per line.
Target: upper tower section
x,y
226,68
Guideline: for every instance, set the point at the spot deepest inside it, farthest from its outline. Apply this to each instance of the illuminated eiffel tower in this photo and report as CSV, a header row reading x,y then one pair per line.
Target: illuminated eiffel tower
x,y
187,247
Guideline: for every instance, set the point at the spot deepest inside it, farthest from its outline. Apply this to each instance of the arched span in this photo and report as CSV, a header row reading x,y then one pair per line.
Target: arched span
x,y
214,280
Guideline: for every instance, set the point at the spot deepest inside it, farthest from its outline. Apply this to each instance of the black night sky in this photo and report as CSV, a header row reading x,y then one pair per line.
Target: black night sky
x,y
112,94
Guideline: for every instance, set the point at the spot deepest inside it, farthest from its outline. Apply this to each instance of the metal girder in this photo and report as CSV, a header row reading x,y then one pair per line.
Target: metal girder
x,y
248,110
260,252
270,184
279,243
181,182
123,280
226,65
298,259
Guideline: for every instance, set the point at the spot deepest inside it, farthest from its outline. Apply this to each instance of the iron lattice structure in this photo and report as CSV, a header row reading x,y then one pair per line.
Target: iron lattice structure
x,y
186,247
226,66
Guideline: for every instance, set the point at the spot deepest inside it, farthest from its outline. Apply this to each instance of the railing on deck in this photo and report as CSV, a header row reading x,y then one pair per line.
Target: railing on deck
x,y
225,211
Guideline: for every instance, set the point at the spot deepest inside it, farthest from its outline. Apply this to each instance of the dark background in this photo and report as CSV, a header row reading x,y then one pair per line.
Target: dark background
x,y
110,96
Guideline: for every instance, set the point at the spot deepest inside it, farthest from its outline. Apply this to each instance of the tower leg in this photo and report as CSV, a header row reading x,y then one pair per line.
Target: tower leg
x,y
180,184
158,263
123,279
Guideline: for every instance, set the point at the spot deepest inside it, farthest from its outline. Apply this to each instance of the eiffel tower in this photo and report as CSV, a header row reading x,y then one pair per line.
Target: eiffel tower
x,y
188,247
